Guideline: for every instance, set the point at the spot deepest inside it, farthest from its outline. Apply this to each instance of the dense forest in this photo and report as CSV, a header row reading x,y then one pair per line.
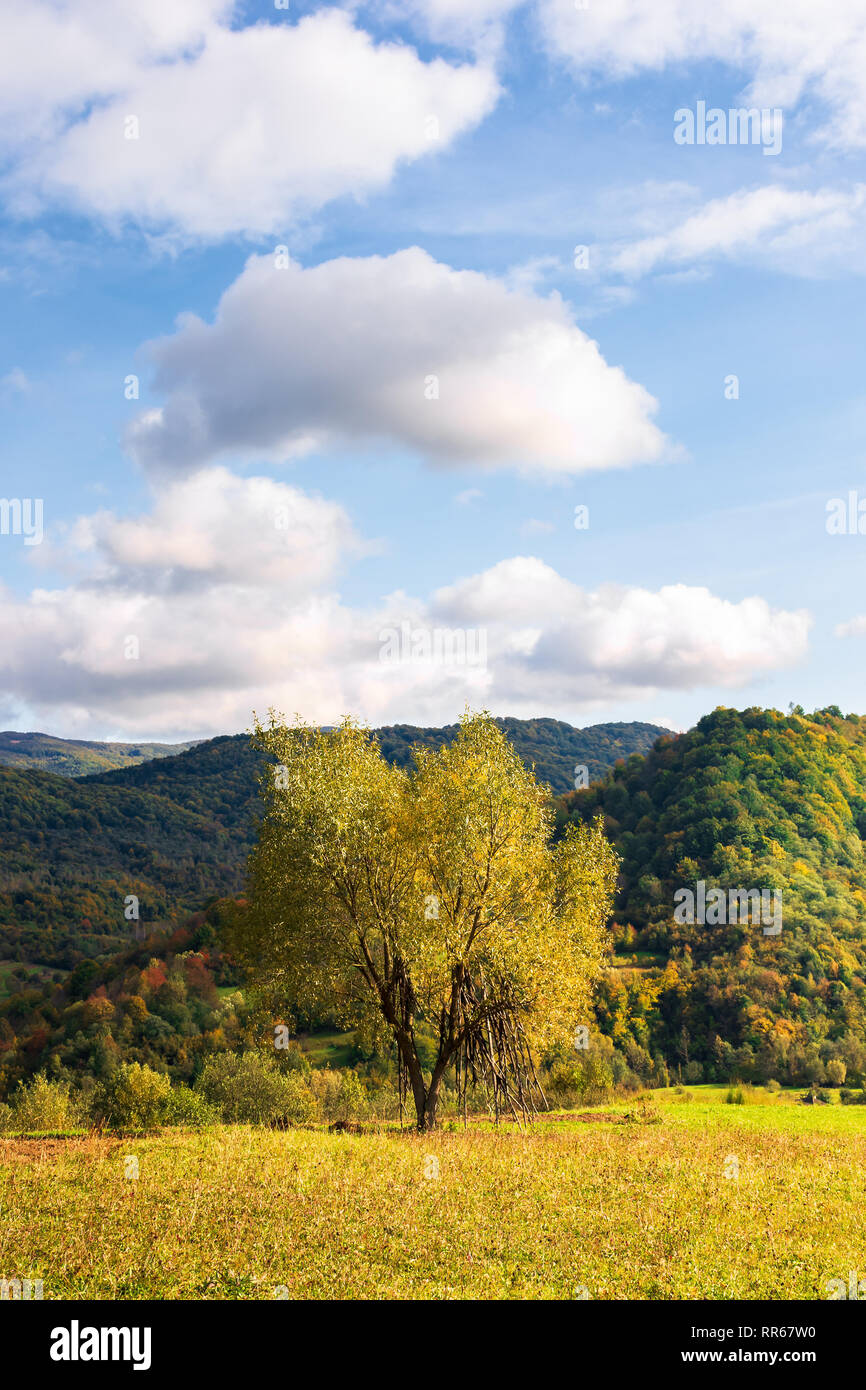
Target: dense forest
x,y
553,748
157,1002
175,832
751,800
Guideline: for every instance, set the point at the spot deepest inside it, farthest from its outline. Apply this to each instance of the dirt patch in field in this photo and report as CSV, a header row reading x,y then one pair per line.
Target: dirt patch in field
x,y
582,1117
586,1117
44,1150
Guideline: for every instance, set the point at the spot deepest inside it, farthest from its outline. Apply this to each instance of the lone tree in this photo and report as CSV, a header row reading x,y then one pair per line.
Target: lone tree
x,y
428,897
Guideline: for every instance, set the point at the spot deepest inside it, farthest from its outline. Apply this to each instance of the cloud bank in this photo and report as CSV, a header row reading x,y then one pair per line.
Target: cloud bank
x,y
227,596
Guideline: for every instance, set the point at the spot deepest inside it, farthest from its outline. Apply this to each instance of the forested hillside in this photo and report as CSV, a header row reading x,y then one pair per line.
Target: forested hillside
x,y
745,800
176,831
751,800
71,757
555,749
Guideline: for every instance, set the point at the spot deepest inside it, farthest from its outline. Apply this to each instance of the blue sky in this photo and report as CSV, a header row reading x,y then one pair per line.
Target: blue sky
x,y
283,490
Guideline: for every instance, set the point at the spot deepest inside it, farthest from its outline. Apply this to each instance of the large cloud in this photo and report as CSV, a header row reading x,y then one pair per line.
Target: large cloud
x,y
182,621
546,632
398,349
239,130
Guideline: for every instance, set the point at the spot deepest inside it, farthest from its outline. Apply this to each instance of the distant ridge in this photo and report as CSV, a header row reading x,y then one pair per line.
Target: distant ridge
x,y
555,748
72,757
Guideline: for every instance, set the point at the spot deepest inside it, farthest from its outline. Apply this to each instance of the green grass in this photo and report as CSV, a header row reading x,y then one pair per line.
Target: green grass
x,y
36,977
624,1210
328,1049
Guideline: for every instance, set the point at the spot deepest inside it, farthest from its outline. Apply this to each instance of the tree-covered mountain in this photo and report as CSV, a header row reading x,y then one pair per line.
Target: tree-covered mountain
x,y
72,757
745,800
174,832
556,749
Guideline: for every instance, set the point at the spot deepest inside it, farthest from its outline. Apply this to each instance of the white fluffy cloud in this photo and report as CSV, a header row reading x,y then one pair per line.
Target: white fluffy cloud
x,y
400,350
225,587
803,233
239,130
544,632
215,528
789,53
180,622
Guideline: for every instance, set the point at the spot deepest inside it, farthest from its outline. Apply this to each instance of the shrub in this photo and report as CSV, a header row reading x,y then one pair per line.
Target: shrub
x,y
300,1101
836,1072
44,1105
247,1088
645,1114
773,1085
339,1095
587,1081
188,1108
131,1097
735,1097
816,1097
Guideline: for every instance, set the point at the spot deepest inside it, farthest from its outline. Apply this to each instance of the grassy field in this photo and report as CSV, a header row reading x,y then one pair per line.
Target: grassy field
x,y
613,1206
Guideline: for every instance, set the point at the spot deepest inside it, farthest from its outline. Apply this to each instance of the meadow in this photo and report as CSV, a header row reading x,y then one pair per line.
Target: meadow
x,y
672,1198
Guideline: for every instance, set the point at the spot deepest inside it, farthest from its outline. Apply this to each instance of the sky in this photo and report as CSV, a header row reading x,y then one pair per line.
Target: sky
x,y
379,359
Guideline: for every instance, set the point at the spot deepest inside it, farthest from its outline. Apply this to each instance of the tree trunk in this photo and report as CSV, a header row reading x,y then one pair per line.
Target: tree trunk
x,y
427,1116
416,1075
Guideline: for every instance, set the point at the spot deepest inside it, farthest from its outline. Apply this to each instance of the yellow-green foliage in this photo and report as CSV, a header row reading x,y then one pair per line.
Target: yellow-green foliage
x,y
427,896
624,1210
132,1097
44,1105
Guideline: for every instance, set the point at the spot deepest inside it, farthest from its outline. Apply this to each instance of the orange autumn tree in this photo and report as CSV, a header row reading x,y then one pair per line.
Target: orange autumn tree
x,y
431,895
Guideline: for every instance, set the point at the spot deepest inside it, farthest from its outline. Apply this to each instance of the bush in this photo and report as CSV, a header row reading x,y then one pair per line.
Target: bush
x,y
339,1095
587,1081
735,1097
247,1088
816,1097
188,1108
44,1105
131,1097
300,1101
645,1114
